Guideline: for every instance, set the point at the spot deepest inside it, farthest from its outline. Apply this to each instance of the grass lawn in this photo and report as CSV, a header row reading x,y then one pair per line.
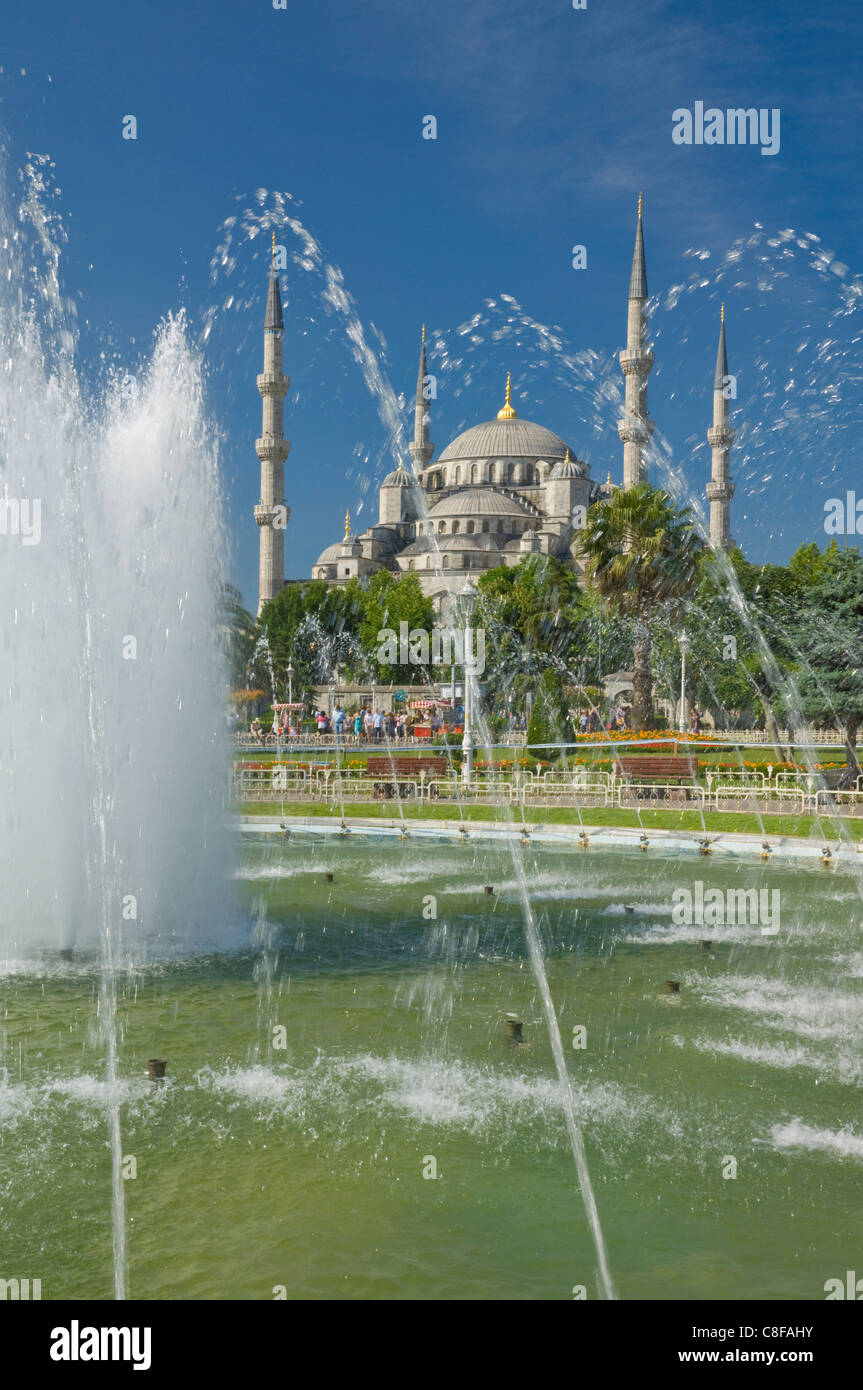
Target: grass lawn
x,y
732,822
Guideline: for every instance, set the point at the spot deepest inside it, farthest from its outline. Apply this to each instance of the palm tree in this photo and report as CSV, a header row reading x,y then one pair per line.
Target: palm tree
x,y
641,555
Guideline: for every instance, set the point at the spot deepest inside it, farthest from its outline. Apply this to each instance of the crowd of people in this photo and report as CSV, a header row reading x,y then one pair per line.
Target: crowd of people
x,y
366,725
363,726
375,726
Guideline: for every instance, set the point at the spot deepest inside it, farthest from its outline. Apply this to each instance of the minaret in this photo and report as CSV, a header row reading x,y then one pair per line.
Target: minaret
x,y
272,448
421,448
720,489
636,360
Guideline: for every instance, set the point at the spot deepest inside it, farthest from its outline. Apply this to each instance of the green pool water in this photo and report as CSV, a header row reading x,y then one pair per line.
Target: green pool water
x,y
306,1167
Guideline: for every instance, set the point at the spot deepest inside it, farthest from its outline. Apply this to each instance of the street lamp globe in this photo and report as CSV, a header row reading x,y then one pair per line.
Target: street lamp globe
x,y
468,599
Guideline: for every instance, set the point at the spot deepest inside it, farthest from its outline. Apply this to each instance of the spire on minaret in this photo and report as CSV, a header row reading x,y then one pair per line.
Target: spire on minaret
x,y
421,447
720,437
636,361
273,320
348,524
272,448
638,275
721,355
508,410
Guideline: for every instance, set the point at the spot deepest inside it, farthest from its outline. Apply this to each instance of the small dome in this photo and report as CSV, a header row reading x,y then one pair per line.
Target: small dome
x,y
330,555
479,501
568,468
400,477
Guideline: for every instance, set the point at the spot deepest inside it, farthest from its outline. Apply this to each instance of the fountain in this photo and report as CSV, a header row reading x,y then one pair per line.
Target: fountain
x,y
112,675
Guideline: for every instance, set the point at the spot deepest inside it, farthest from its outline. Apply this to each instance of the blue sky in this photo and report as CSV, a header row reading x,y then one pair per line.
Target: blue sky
x,y
550,120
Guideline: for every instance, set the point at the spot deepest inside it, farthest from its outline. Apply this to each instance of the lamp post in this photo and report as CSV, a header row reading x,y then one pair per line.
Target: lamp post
x,y
683,643
468,604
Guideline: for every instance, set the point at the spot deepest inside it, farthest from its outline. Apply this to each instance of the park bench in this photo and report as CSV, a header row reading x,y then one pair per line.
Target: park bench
x,y
392,770
647,769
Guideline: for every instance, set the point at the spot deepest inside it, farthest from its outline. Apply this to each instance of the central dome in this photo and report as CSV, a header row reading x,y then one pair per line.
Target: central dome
x,y
519,439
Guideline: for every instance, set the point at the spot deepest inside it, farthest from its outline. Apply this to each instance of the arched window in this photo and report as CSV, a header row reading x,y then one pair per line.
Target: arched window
x,y
485,526
474,473
441,526
446,562
457,476
470,528
410,564
455,526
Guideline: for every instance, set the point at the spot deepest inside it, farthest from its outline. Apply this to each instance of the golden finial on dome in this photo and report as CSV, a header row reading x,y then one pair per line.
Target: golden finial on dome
x,y
508,412
348,524
568,458
639,205
608,479
722,314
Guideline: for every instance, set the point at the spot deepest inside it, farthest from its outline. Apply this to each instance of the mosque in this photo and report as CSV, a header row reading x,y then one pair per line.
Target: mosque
x,y
503,489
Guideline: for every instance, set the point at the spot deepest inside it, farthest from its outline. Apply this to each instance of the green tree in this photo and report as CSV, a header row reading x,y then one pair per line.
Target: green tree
x,y
315,628
535,616
829,638
642,557
549,719
390,600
